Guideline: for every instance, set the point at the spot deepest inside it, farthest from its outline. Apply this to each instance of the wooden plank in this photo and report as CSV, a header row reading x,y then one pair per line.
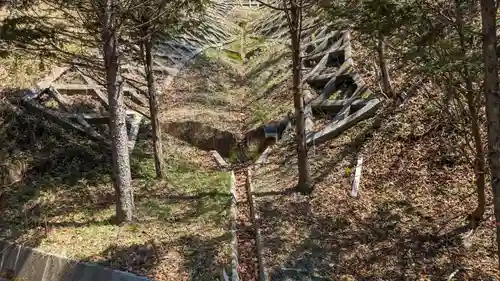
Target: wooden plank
x,y
96,118
334,129
323,44
56,73
139,109
345,69
321,78
58,97
33,93
61,119
136,97
220,161
97,91
85,87
335,106
321,65
263,157
357,177
87,127
159,68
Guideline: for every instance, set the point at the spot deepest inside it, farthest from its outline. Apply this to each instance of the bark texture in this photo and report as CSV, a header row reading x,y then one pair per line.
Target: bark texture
x,y
153,107
294,22
117,114
384,69
488,15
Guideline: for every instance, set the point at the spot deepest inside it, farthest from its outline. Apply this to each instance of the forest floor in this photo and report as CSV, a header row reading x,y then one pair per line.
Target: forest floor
x,y
60,198
408,221
57,192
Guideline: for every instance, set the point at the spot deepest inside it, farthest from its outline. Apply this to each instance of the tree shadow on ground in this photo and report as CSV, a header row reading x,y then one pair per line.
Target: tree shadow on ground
x,y
198,256
39,158
49,172
367,248
404,232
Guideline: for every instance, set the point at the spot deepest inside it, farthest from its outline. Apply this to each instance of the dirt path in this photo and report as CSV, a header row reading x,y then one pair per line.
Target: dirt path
x,y
247,251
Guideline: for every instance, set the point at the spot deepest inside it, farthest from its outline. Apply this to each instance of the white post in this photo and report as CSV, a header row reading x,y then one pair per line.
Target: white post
x,y
357,177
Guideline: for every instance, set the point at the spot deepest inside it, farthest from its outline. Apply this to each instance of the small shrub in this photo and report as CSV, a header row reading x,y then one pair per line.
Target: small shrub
x,y
347,172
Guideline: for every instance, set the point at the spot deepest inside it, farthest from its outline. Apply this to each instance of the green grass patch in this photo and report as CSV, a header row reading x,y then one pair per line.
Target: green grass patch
x,y
69,209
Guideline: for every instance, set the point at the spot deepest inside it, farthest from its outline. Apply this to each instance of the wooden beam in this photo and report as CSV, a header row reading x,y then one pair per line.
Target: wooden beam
x,y
58,97
357,177
100,95
334,129
335,106
85,87
62,119
321,77
223,165
56,73
96,118
135,125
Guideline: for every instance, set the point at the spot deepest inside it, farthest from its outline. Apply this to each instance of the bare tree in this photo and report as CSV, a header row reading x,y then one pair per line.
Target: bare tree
x,y
147,33
293,10
488,15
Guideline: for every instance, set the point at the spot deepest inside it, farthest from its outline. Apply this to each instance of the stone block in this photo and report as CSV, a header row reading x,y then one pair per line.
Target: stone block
x,y
61,269
93,272
126,276
31,264
34,265
10,256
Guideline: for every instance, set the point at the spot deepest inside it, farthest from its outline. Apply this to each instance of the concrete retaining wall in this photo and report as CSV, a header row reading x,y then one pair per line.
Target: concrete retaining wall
x,y
29,264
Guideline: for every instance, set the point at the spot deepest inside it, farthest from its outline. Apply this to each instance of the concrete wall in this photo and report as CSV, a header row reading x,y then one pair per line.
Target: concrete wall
x,y
33,265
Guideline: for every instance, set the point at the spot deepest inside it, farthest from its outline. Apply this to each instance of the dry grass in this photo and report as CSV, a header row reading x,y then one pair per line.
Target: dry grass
x,y
415,194
63,203
57,195
217,99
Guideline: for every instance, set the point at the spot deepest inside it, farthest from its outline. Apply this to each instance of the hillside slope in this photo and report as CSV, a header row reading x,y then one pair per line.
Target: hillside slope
x,y
407,223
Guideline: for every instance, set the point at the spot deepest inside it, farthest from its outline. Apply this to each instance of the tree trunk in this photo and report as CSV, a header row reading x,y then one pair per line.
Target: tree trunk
x,y
384,70
153,107
304,185
479,164
117,114
488,15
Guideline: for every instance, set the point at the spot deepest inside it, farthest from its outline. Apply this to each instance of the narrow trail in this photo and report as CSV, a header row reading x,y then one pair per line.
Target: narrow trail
x,y
248,269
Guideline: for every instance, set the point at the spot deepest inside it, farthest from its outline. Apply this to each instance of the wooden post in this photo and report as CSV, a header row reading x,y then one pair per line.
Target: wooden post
x,y
357,177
